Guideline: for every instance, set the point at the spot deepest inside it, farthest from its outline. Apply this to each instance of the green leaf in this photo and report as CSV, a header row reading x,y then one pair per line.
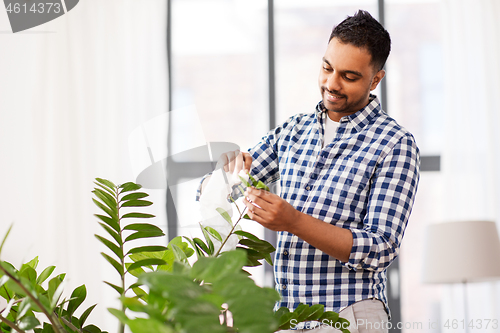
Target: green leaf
x,y
142,325
28,273
107,199
150,248
128,187
136,203
182,245
302,311
106,183
260,185
112,222
254,182
178,253
143,227
57,295
113,247
114,263
246,217
135,272
5,238
45,274
44,300
281,312
268,259
244,181
115,287
85,315
212,269
144,234
54,284
193,245
139,292
105,188
28,323
343,323
316,311
225,215
91,329
77,298
134,196
209,241
253,257
199,243
122,317
331,316
214,233
104,208
23,308
284,321
260,245
112,233
134,304
146,262
138,215
33,263
247,235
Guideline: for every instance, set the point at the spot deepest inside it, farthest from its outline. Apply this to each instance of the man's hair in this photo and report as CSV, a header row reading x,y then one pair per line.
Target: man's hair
x,y
362,30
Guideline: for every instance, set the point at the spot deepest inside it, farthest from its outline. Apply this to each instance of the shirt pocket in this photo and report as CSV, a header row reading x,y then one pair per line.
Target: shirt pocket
x,y
347,182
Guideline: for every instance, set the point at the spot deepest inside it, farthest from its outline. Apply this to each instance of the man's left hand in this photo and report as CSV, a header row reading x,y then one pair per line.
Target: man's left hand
x,y
271,211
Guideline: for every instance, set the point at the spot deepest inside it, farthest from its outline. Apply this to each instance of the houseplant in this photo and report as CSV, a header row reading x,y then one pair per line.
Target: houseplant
x,y
160,289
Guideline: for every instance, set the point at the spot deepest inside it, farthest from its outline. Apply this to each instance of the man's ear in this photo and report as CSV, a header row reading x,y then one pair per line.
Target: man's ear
x,y
377,78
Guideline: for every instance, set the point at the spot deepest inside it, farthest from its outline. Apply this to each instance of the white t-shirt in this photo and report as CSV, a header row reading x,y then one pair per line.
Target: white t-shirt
x,y
330,130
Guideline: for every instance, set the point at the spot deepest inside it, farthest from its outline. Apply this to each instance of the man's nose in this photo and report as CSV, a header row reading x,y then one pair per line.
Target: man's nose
x,y
333,82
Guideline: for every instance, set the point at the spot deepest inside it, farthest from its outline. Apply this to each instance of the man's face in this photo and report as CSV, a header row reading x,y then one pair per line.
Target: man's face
x,y
346,78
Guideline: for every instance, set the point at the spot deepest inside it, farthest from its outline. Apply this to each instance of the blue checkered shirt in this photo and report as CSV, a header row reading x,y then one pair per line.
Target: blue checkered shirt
x,y
364,180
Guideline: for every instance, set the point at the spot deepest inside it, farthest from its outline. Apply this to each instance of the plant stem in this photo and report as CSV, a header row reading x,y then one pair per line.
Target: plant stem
x,y
70,325
11,324
231,232
55,323
121,328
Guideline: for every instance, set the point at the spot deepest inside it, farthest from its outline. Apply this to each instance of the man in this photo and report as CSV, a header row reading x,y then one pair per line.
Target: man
x,y
348,174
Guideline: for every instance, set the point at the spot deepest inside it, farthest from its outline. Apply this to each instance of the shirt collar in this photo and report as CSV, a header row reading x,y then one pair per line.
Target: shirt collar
x,y
359,119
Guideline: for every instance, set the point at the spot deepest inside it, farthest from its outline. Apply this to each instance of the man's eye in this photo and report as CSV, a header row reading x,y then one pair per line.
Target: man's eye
x,y
349,79
327,69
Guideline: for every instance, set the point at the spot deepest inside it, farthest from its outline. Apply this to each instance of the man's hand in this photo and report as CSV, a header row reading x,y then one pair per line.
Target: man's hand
x,y
276,214
271,211
235,161
232,162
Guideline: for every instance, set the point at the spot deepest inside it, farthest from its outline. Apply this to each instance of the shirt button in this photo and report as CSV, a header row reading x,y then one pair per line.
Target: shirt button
x,y
285,253
284,287
308,187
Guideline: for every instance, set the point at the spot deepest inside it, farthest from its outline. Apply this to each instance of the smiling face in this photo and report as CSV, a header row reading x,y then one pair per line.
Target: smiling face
x,y
346,78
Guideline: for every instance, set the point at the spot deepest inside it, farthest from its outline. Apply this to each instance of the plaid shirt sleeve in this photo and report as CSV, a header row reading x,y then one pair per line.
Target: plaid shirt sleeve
x,y
393,188
266,154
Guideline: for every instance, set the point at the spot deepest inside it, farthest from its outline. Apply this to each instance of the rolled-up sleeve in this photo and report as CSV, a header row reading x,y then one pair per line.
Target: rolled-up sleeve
x,y
392,193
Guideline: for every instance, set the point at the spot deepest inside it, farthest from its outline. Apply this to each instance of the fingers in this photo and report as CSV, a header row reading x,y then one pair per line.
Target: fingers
x,y
253,210
226,160
231,163
235,161
258,196
247,161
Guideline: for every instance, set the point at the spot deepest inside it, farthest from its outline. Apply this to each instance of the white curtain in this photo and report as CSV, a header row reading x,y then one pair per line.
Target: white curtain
x,y
471,156
71,92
